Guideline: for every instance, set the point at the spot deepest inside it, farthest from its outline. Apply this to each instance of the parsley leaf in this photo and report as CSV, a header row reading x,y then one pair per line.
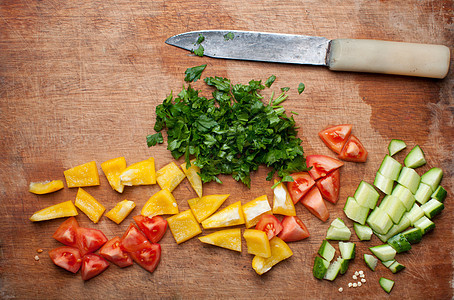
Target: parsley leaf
x,y
270,81
199,51
154,139
193,74
285,89
229,36
301,88
200,39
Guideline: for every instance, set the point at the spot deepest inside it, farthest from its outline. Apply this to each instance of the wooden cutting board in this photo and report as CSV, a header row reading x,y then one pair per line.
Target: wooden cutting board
x,y
80,80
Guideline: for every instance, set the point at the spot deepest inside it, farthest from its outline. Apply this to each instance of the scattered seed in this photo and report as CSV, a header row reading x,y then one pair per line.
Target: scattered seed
x,y
359,283
354,284
350,284
355,277
356,273
341,290
363,280
361,275
36,257
361,272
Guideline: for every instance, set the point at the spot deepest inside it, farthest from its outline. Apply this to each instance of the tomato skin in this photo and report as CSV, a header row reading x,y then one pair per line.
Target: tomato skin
x,y
113,252
335,137
147,256
353,151
153,228
293,229
329,186
89,240
66,233
133,239
301,184
270,224
322,165
313,201
66,257
93,265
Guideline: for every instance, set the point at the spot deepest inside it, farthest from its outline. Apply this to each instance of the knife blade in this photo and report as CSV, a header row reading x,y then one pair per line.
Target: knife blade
x,y
355,55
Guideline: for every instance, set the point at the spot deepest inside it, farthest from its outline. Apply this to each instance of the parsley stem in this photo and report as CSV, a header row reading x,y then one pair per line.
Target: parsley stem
x,y
280,99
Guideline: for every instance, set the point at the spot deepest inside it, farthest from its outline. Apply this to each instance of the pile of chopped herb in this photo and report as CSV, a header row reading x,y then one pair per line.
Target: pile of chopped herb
x,y
232,133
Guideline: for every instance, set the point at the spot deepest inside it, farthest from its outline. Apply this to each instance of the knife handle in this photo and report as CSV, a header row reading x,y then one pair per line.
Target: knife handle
x,y
386,57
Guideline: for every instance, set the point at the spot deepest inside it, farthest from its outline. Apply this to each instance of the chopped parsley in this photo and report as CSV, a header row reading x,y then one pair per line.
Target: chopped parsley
x,y
301,88
200,39
199,51
193,74
229,36
270,81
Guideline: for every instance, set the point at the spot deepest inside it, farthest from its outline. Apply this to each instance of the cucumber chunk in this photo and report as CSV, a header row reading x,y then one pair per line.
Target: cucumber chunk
x,y
338,222
413,235
384,252
363,232
395,229
320,267
355,212
383,183
432,178
423,193
404,195
347,250
393,207
432,208
366,195
386,284
409,179
396,146
390,168
414,214
338,233
425,224
415,158
396,267
344,264
333,270
388,263
379,221
371,261
399,243
440,194
326,251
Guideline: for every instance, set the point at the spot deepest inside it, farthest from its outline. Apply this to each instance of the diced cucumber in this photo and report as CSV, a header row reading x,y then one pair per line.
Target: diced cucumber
x,y
386,284
344,264
383,252
413,235
366,195
423,193
379,221
399,243
320,267
395,146
355,212
432,208
338,233
390,168
394,208
404,195
333,269
409,179
396,267
326,250
347,250
363,232
425,224
338,222
395,229
388,263
383,183
415,158
440,194
414,214
432,178
371,261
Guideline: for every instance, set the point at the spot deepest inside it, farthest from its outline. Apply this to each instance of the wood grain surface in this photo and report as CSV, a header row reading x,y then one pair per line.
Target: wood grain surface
x,y
80,80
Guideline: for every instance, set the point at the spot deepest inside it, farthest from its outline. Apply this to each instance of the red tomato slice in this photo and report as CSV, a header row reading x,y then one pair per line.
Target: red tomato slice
x,y
293,229
113,252
67,232
313,201
148,256
322,165
270,224
133,239
68,258
93,265
301,184
89,240
153,228
353,151
335,137
329,186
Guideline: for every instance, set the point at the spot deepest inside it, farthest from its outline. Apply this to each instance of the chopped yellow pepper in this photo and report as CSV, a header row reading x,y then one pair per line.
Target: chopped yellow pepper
x,y
283,204
60,210
257,242
45,187
169,176
89,205
161,203
139,173
120,211
82,175
227,238
254,209
112,169
279,251
192,173
230,216
183,226
204,207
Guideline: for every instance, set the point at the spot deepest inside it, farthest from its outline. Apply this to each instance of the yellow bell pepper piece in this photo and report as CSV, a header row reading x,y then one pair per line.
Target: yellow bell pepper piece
x,y
82,175
60,210
230,216
254,209
283,204
183,226
121,211
112,169
204,207
257,242
192,173
45,187
161,203
89,205
169,176
139,173
279,251
227,238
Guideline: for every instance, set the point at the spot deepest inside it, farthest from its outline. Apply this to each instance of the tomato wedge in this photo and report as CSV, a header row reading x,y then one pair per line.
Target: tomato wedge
x,y
322,165
313,201
89,240
66,233
93,265
293,229
133,239
270,224
353,151
335,137
329,186
148,256
113,252
153,228
68,258
301,184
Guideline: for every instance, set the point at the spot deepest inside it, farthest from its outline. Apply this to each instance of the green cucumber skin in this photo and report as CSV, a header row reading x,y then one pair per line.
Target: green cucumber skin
x,y
399,243
326,251
413,235
320,267
425,224
344,266
396,267
383,252
432,208
439,194
386,284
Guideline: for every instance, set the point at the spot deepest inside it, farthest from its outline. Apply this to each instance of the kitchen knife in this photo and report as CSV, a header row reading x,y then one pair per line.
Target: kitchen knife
x,y
356,55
